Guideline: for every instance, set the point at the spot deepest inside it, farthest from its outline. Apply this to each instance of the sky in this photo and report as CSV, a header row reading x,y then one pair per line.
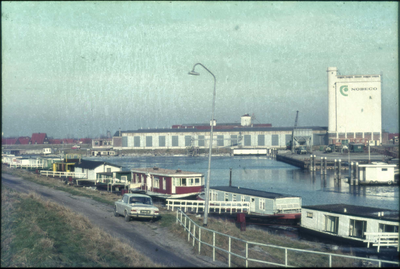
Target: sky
x,y
80,69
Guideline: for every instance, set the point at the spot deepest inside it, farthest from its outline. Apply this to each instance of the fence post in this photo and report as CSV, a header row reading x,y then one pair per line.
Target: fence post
x,y
330,260
199,239
285,257
213,246
177,216
185,222
229,253
247,254
189,231
194,233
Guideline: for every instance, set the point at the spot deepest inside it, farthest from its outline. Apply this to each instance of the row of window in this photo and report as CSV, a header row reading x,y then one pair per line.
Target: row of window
x,y
177,182
234,139
261,202
357,228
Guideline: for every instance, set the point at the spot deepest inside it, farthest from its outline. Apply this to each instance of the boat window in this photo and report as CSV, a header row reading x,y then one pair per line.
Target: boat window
x,y
226,198
310,215
384,169
183,182
357,228
197,181
234,197
331,224
177,181
164,184
243,198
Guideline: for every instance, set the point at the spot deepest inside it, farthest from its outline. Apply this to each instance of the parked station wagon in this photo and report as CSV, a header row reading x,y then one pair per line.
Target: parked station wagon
x,y
136,206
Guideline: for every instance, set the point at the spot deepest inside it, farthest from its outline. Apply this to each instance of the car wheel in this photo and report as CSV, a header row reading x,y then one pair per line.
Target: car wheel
x,y
127,218
115,212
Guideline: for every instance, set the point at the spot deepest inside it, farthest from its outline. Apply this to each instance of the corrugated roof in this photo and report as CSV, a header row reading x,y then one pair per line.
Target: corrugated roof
x,y
162,171
250,192
355,210
242,129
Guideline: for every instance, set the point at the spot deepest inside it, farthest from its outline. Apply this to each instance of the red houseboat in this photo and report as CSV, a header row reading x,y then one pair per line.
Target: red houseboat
x,y
167,183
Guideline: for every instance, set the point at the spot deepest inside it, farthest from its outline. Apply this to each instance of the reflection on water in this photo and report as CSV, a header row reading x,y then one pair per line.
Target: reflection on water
x,y
267,174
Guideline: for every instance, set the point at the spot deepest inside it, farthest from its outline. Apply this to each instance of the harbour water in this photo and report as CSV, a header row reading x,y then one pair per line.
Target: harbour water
x,y
267,174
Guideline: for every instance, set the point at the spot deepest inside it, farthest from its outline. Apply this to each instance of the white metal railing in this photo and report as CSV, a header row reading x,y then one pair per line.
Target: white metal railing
x,y
62,174
187,223
219,206
382,239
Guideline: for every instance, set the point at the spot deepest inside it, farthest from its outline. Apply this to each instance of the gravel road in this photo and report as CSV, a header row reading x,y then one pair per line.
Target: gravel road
x,y
154,242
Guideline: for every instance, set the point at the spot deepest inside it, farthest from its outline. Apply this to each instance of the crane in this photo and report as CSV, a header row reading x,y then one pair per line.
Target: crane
x,y
295,125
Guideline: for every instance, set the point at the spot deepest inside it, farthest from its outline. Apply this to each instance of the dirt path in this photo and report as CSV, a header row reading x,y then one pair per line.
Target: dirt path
x,y
154,242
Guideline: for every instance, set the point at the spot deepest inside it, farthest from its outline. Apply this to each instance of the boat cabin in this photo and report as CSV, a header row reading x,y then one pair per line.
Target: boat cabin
x,y
167,183
91,168
261,202
376,173
349,223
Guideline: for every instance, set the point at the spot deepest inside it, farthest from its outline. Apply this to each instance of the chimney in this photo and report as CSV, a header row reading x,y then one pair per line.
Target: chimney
x,y
178,170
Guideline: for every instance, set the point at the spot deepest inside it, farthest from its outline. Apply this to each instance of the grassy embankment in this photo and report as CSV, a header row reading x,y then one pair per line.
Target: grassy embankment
x,y
38,233
223,226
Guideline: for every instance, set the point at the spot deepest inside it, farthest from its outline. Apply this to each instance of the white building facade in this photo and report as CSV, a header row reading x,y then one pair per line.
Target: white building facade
x,y
355,110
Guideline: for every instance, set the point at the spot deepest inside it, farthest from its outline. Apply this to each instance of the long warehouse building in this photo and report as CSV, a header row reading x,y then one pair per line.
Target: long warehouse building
x,y
246,135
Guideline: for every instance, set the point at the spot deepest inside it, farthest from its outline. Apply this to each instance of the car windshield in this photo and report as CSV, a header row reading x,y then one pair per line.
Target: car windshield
x,y
140,200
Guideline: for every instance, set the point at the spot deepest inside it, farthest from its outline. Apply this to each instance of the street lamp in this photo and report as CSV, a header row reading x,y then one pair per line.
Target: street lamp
x,y
207,192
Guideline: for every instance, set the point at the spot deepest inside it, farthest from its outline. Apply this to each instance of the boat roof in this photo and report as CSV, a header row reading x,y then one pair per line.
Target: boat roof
x,y
355,210
251,192
166,172
137,195
93,164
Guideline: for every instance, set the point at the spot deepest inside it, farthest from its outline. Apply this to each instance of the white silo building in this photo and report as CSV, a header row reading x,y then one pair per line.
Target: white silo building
x,y
355,110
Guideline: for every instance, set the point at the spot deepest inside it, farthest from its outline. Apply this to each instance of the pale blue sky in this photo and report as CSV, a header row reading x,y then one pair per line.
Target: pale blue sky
x,y
82,68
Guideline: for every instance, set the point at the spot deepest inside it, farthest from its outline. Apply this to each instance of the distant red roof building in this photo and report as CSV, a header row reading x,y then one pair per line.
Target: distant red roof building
x,y
8,141
39,138
68,141
54,141
391,136
23,140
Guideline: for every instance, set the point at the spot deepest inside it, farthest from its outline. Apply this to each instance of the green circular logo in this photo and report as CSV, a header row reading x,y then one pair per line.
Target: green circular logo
x,y
343,90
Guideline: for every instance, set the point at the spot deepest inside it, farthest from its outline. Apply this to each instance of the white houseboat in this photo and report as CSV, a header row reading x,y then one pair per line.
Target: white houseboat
x,y
167,183
262,204
376,173
88,170
356,225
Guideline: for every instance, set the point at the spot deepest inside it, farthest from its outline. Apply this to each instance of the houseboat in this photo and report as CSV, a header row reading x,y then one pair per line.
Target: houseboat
x,y
376,173
88,170
167,183
355,225
263,205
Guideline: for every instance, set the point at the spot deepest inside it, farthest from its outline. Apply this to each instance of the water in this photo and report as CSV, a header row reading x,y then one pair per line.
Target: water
x,y
267,174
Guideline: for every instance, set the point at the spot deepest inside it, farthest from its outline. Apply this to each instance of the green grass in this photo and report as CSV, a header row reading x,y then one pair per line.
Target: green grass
x,y
35,233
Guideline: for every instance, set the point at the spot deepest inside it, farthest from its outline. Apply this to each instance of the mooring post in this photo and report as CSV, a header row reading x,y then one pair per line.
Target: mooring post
x,y
357,173
230,177
315,166
340,169
350,166
334,169
326,165
311,163
322,165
